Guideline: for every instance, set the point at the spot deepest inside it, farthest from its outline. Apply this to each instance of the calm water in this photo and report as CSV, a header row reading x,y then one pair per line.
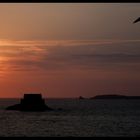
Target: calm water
x,y
78,118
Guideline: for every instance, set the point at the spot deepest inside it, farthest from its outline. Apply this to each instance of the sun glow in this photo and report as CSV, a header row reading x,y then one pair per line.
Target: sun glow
x,y
2,59
4,43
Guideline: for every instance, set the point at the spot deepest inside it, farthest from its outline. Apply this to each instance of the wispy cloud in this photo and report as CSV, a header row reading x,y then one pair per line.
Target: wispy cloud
x,y
54,55
24,43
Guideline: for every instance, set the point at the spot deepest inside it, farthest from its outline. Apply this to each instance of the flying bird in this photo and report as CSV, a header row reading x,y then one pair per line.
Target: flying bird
x,y
137,20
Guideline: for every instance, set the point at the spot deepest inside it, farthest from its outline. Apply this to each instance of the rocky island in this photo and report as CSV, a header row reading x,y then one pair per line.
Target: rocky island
x,y
31,102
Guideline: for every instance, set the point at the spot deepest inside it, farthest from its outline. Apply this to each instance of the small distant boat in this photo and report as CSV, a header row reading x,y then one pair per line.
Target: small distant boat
x,y
30,102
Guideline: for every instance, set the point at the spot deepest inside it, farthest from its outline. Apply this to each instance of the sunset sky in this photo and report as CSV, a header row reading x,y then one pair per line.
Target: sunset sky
x,y
69,50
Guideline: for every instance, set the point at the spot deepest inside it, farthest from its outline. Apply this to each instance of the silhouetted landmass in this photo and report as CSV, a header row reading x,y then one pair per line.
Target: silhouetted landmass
x,y
115,97
30,102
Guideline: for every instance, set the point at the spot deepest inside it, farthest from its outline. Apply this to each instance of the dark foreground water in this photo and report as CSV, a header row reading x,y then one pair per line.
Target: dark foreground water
x,y
78,118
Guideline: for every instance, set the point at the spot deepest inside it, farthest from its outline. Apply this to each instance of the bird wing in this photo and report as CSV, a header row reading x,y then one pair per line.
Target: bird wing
x,y
137,20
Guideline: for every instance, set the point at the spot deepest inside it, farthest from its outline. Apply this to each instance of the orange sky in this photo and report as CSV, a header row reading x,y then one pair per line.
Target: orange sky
x,y
68,50
71,69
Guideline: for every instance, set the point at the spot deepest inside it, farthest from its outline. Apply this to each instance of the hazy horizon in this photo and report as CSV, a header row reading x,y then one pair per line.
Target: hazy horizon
x,y
69,50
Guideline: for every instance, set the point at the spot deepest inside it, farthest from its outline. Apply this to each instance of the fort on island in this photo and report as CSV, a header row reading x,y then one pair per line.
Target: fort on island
x,y
30,102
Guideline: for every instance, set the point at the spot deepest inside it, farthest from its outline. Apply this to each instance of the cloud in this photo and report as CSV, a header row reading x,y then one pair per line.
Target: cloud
x,y
62,55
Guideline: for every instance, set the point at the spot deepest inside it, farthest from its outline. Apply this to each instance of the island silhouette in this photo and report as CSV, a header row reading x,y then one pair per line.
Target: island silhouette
x,y
114,96
31,102
110,96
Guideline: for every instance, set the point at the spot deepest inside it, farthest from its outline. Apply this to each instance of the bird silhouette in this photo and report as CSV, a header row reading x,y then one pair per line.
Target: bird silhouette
x,y
137,20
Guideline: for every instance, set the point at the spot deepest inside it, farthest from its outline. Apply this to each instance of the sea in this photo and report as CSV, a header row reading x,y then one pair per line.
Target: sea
x,y
78,118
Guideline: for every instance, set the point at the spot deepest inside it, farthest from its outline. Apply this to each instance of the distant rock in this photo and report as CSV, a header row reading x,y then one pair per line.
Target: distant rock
x,y
80,97
31,102
115,97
